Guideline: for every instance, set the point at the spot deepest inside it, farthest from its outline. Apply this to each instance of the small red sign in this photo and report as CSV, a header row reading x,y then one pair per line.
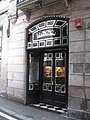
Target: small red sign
x,y
78,23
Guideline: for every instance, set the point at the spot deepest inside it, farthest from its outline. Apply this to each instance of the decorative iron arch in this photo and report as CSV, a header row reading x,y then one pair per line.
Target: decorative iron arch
x,y
44,18
54,28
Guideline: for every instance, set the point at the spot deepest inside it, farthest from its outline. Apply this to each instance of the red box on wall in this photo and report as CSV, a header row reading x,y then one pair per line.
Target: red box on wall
x,y
78,23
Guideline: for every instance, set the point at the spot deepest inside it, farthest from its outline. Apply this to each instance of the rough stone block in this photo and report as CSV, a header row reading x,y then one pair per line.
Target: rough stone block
x,y
88,105
87,45
87,90
76,35
16,60
17,37
87,34
72,26
16,52
87,68
4,71
80,115
16,68
16,44
87,81
19,93
19,60
18,29
76,91
10,60
70,68
78,68
10,91
80,4
76,46
18,76
76,80
76,57
74,103
16,84
10,75
87,57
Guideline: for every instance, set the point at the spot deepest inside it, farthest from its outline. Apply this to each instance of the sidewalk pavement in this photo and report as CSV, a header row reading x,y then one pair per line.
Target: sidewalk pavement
x,y
26,112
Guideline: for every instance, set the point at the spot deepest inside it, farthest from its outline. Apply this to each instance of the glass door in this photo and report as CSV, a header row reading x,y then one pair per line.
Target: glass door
x,y
60,88
54,85
33,94
47,86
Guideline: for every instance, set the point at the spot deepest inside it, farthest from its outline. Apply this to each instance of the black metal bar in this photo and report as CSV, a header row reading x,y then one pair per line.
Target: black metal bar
x,y
20,1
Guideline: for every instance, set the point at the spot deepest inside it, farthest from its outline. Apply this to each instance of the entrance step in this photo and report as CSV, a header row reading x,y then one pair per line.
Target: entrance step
x,y
50,108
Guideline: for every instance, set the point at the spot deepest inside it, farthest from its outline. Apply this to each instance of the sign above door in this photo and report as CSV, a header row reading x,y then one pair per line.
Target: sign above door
x,y
48,33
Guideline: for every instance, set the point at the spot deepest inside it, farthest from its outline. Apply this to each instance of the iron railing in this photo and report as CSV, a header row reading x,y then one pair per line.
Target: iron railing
x,y
21,1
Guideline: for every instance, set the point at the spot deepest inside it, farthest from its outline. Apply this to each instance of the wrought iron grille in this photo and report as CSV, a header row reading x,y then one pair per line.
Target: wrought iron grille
x,y
20,1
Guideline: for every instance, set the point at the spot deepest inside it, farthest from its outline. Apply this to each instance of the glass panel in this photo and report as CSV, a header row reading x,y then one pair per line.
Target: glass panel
x,y
47,70
65,41
60,22
65,31
60,72
33,71
30,37
42,24
57,42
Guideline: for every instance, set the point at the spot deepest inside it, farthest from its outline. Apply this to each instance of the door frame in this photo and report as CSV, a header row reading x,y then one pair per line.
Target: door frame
x,y
64,45
41,75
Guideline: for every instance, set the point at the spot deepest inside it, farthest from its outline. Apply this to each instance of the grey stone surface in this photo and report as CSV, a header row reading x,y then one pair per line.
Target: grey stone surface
x,y
87,68
88,105
76,80
17,37
76,57
74,103
78,68
87,57
88,34
71,68
87,45
76,46
76,91
80,115
76,35
16,52
87,80
87,91
16,68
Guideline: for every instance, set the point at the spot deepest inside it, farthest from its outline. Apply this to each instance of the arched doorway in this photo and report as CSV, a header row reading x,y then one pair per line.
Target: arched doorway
x,y
47,66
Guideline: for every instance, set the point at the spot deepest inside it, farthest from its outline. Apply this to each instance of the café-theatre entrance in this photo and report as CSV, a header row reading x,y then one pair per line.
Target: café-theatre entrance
x,y
47,62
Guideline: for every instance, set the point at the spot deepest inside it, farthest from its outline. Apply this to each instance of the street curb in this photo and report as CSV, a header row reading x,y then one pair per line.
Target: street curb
x,y
14,114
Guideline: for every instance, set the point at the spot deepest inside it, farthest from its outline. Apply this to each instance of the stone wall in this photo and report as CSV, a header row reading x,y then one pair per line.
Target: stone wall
x,y
17,61
4,52
79,62
14,68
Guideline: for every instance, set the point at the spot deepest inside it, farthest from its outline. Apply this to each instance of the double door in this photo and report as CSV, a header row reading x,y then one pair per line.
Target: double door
x,y
54,78
48,78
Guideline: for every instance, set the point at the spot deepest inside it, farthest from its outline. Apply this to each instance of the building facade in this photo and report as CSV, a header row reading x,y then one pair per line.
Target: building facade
x,y
45,53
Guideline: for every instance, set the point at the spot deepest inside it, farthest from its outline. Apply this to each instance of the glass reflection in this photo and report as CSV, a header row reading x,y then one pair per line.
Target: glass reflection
x,y
33,70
